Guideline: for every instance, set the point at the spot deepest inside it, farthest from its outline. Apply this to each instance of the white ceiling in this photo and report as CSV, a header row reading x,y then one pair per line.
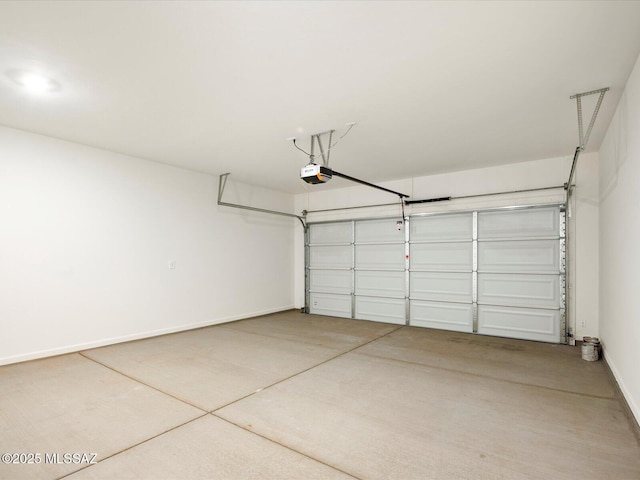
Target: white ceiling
x,y
219,86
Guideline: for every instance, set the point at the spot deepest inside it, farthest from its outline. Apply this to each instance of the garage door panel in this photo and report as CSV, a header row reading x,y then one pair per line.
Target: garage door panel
x,y
380,257
541,291
385,284
525,323
388,310
442,256
501,276
330,304
385,230
446,316
524,256
330,281
438,228
441,286
325,233
333,256
526,223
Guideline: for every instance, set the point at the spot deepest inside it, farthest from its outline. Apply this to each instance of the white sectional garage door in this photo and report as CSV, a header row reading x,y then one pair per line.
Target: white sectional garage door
x,y
441,272
380,266
496,272
330,271
521,274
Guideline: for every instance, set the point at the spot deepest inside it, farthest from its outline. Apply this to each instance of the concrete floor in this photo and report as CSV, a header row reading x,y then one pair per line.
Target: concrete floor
x,y
299,396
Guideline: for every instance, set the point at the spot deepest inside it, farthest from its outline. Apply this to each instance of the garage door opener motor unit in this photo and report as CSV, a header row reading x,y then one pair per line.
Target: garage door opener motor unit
x,y
315,174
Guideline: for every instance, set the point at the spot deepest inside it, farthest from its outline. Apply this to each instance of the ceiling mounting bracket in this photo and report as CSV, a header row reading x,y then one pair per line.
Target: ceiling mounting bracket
x,y
583,138
317,137
314,173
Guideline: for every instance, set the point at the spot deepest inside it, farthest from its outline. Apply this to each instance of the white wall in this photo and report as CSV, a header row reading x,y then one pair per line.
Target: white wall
x,y
86,237
583,285
620,242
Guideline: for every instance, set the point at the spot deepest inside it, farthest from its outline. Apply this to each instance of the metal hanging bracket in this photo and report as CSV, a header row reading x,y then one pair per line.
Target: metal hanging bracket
x,y
317,138
222,182
583,138
314,174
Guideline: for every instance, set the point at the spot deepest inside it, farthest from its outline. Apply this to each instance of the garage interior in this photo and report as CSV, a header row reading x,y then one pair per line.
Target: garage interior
x,y
177,302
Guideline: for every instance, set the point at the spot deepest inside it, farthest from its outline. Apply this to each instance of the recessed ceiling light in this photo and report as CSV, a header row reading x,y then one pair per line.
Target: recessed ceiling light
x,y
34,82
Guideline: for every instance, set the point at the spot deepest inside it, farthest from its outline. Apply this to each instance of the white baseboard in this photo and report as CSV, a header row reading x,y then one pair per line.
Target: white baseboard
x,y
135,336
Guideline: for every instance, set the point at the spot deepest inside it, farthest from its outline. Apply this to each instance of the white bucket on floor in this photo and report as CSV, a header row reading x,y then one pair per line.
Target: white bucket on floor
x,y
590,349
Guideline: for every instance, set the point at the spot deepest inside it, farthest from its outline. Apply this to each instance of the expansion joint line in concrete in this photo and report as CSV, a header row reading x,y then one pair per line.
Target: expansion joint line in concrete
x,y
305,370
285,446
137,380
488,377
213,412
136,444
